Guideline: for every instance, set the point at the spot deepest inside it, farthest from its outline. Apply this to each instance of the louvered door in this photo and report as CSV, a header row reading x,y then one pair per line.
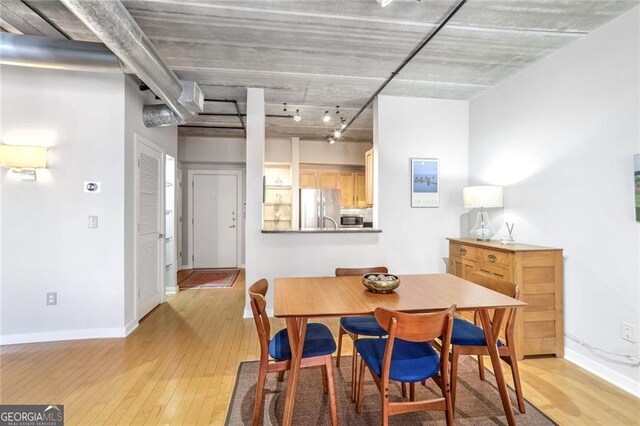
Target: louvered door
x,y
149,239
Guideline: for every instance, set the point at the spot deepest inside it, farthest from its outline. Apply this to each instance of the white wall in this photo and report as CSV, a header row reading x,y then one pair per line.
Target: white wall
x,y
413,240
208,150
561,136
167,139
321,152
46,245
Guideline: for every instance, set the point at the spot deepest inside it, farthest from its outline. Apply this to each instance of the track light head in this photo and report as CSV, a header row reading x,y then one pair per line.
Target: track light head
x,y
337,134
326,117
331,141
297,116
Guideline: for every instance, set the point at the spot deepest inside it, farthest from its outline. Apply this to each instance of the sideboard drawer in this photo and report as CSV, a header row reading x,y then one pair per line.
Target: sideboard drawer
x,y
465,252
499,272
493,257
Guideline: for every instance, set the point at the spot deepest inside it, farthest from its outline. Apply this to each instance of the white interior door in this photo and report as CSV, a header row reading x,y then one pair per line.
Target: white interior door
x,y
179,213
149,238
215,221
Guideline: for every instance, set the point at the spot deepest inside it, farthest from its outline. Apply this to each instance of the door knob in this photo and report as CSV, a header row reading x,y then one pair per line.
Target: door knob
x,y
160,236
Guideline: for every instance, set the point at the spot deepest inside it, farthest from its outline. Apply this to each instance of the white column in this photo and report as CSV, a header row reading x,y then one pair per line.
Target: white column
x,y
255,172
295,182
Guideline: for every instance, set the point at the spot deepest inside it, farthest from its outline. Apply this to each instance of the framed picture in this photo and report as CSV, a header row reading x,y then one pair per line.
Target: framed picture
x,y
425,182
636,176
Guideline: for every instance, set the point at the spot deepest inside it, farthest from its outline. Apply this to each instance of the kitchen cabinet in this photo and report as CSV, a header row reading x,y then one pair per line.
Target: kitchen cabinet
x,y
368,171
347,187
323,180
328,180
537,271
360,190
307,180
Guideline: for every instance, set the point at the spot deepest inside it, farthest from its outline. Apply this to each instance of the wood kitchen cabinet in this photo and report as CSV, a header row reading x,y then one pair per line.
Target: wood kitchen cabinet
x,y
308,180
328,180
360,190
347,190
537,271
368,171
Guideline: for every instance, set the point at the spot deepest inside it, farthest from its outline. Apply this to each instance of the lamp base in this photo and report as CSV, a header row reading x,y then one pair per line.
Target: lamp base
x,y
482,231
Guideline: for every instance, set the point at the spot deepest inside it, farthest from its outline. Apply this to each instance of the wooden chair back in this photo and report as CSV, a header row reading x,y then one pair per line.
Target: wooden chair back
x,y
501,286
350,272
416,328
257,293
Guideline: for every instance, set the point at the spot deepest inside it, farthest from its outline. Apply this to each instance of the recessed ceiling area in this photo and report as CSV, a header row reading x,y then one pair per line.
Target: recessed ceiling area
x,y
317,54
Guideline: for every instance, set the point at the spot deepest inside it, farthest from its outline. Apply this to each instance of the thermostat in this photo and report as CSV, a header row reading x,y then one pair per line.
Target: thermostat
x,y
94,187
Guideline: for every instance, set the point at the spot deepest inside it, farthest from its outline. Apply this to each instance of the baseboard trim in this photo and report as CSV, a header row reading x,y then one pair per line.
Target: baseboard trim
x,y
130,327
605,373
55,336
171,290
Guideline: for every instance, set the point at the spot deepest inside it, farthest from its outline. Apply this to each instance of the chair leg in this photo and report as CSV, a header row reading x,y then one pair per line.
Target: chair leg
x,y
516,381
281,375
328,368
455,354
340,334
403,385
354,368
384,393
360,388
257,408
449,410
324,378
481,366
412,391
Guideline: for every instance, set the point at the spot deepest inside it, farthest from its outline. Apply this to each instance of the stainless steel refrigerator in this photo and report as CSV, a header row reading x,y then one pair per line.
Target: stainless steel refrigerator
x,y
319,208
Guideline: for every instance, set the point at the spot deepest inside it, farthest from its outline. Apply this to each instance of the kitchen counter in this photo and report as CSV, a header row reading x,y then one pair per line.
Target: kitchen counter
x,y
323,231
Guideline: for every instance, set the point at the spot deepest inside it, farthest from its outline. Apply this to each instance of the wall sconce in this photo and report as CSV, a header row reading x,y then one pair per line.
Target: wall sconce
x,y
23,159
482,197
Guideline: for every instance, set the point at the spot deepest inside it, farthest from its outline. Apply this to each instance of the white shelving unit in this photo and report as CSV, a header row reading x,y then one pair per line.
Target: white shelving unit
x,y
276,210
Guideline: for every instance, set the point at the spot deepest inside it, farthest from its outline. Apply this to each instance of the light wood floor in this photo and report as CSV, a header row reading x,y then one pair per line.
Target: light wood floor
x,y
179,367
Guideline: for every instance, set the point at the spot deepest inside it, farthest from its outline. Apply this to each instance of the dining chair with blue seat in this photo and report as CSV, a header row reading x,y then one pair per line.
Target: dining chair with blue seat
x,y
468,338
275,353
407,356
359,325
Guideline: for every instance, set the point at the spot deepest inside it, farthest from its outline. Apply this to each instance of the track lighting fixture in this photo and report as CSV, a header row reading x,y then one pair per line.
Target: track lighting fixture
x,y
332,141
337,110
326,118
384,3
297,116
343,123
285,107
337,134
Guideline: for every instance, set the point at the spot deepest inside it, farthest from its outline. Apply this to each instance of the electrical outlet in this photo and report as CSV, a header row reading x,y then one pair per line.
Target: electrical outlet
x,y
629,332
52,298
93,222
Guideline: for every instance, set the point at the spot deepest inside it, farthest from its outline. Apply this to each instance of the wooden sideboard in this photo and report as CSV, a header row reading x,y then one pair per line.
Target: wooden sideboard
x,y
538,273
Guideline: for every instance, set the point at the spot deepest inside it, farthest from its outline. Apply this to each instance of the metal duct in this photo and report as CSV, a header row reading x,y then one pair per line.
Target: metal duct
x,y
42,52
112,23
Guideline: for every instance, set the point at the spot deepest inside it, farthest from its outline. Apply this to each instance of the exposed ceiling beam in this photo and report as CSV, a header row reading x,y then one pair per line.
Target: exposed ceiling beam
x,y
21,17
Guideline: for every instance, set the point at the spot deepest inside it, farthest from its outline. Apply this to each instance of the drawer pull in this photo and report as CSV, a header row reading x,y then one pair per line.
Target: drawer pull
x,y
463,251
492,258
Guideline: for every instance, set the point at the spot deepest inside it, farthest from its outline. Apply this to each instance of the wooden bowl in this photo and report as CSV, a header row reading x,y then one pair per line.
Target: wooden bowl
x,y
380,285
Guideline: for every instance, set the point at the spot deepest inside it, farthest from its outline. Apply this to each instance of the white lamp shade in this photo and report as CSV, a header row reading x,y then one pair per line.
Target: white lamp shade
x,y
23,157
486,196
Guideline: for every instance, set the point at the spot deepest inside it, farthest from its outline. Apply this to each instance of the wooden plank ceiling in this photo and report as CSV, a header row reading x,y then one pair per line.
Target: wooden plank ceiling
x,y
317,54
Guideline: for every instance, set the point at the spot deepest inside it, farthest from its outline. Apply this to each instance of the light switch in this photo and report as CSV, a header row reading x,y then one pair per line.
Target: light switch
x,y
93,222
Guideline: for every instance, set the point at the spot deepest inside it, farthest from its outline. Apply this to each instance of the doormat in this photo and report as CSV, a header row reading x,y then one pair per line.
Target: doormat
x,y
209,278
477,403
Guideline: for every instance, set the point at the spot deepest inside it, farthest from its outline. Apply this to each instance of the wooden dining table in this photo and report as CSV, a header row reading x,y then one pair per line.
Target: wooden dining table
x,y
298,299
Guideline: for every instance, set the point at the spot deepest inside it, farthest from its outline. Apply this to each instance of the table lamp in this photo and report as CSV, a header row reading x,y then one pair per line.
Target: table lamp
x,y
481,197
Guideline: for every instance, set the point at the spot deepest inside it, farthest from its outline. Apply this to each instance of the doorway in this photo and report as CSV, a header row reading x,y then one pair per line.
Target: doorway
x,y
149,214
214,206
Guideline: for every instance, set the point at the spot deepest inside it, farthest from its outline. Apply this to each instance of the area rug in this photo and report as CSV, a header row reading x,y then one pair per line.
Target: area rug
x,y
209,278
477,403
